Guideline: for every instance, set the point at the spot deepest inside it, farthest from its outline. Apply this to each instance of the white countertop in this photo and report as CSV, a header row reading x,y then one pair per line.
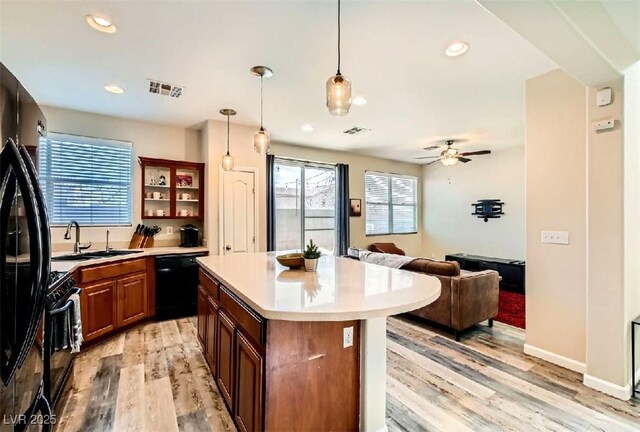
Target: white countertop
x,y
68,266
342,289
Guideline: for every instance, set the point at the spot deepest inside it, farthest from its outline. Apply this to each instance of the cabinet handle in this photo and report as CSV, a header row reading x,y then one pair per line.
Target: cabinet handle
x,y
228,247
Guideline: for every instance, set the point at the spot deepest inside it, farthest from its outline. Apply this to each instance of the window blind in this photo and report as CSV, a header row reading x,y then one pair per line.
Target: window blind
x,y
86,179
391,204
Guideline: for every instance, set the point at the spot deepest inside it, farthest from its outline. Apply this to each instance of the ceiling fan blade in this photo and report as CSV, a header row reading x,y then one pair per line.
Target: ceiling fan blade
x,y
432,162
464,159
433,147
427,157
476,153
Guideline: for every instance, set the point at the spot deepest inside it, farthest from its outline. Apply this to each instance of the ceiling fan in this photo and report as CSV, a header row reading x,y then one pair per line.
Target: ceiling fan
x,y
451,156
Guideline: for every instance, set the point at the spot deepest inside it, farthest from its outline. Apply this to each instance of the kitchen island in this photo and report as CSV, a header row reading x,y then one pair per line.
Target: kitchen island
x,y
296,350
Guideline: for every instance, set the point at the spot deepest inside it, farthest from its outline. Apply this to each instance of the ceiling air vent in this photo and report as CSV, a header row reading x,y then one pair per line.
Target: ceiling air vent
x,y
164,89
357,130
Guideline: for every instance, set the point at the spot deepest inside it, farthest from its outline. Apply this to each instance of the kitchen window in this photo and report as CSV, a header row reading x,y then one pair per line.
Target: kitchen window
x,y
86,179
391,203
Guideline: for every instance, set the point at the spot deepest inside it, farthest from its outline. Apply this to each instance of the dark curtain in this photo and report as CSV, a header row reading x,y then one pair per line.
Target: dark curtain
x,y
271,205
342,209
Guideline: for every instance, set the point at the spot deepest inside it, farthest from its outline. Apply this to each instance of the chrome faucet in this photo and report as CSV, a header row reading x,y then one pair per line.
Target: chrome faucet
x,y
108,248
77,246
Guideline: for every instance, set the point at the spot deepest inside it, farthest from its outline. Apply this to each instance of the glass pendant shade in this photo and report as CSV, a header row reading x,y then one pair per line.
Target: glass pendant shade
x,y
338,95
261,141
449,160
227,162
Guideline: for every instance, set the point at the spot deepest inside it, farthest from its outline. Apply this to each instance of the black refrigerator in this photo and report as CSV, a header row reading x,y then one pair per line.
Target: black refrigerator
x,y
24,261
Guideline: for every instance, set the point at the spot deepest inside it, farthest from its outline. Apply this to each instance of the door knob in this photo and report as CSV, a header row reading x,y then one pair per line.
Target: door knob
x,y
228,247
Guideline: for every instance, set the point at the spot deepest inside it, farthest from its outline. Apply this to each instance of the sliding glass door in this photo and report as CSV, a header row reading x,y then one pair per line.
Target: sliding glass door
x,y
305,205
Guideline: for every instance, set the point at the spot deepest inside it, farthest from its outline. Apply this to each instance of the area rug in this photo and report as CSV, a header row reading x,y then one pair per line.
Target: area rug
x,y
511,309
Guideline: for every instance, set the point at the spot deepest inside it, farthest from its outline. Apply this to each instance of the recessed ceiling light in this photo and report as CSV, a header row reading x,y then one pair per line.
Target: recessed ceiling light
x,y
112,88
456,48
307,127
101,23
359,100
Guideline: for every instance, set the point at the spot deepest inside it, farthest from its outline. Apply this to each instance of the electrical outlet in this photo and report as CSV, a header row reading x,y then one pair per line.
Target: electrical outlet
x,y
169,230
555,237
347,337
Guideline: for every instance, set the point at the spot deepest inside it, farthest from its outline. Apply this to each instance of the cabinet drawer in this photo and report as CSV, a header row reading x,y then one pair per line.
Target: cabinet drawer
x,y
107,271
209,283
246,319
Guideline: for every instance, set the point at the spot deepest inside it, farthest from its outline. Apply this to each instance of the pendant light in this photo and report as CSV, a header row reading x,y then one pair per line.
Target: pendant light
x,y
261,140
338,86
227,160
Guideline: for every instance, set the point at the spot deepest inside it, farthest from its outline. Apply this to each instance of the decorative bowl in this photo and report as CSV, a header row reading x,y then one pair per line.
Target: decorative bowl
x,y
293,260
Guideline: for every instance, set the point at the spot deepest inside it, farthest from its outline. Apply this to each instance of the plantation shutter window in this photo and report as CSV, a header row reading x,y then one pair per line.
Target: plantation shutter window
x,y
391,204
86,179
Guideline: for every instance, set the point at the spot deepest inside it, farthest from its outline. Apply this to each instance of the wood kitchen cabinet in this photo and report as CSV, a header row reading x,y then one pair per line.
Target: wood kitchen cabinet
x,y
211,333
172,189
226,347
132,299
113,296
253,365
203,308
98,309
233,345
249,365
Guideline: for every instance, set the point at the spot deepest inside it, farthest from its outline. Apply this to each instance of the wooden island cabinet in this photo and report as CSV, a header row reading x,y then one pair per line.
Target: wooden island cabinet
x,y
291,350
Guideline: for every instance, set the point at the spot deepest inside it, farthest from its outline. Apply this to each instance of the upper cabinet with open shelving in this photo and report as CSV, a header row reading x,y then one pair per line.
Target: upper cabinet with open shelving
x,y
172,189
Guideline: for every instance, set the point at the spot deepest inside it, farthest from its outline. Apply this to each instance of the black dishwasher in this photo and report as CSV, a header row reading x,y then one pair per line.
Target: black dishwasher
x,y
176,286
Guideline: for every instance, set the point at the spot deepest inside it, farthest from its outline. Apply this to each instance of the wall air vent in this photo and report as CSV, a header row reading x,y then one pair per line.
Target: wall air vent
x,y
164,89
357,130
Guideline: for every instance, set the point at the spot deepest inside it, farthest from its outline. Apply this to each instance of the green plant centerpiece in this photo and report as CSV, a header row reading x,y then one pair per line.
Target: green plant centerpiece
x,y
311,255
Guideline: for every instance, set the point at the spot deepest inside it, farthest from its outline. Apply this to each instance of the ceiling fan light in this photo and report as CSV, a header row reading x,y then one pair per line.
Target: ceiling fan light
x,y
449,161
450,151
261,141
338,95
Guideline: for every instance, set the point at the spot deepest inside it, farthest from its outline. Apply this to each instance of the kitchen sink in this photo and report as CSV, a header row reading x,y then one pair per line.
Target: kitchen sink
x,y
93,255
72,257
110,253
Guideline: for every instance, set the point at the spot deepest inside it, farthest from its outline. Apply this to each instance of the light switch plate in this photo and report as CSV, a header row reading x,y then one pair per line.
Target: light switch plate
x,y
555,237
347,337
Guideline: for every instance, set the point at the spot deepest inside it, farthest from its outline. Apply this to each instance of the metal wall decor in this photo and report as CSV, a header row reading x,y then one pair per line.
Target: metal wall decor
x,y
488,209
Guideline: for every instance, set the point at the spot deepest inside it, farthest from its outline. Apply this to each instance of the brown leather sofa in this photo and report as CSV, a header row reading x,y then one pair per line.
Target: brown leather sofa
x,y
389,248
466,299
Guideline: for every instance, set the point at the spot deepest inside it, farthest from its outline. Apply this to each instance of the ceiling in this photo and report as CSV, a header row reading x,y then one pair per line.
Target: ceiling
x,y
392,51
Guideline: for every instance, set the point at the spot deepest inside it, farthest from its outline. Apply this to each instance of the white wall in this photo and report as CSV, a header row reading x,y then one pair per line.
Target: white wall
x,y
632,208
556,199
448,193
150,140
606,335
214,146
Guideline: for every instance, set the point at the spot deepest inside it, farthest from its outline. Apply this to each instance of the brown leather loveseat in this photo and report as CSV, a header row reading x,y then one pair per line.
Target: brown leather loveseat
x,y
466,299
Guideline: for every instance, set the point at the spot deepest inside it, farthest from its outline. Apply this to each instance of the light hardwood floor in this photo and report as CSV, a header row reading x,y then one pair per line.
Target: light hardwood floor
x,y
154,378
486,383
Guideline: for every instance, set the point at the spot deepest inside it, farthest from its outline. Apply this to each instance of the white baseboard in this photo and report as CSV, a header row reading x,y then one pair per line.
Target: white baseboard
x,y
619,392
557,359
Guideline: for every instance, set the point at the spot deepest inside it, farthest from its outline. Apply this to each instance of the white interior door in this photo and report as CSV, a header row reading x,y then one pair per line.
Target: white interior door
x,y
239,234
